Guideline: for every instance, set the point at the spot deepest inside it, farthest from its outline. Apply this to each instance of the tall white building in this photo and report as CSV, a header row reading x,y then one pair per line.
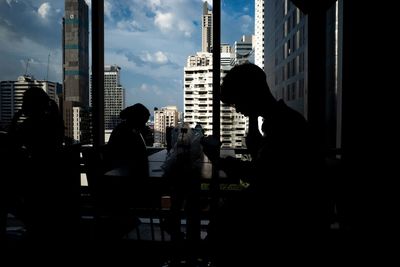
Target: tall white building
x,y
164,117
198,100
198,91
259,33
114,96
206,29
12,92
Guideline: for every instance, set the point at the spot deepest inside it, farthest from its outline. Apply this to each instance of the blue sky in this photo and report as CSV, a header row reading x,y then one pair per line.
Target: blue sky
x,y
149,39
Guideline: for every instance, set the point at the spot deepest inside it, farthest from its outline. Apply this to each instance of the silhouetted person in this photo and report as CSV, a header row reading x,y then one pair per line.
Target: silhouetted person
x,y
282,209
37,133
182,170
168,137
127,146
126,150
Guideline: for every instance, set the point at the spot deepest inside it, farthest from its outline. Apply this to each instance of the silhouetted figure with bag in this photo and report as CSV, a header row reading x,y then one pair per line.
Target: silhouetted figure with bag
x,y
283,207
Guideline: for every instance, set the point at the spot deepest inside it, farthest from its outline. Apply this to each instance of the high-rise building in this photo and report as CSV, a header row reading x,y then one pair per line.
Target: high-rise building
x,y
206,29
163,118
243,50
226,55
114,96
12,92
198,87
198,91
285,49
287,62
76,69
198,100
259,33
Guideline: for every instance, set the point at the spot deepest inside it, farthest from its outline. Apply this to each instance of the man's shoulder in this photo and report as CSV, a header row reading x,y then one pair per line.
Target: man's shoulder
x,y
290,116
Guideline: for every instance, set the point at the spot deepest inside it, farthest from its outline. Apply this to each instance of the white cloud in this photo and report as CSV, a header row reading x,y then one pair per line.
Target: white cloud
x,y
126,25
144,87
154,89
160,57
44,10
164,21
246,23
186,28
107,9
170,23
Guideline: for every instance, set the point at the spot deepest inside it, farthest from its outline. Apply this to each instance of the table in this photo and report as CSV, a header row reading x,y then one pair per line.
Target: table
x,y
156,161
191,192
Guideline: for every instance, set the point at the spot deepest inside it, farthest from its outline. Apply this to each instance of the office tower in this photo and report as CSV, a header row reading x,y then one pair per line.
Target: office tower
x,y
285,48
259,33
114,96
287,54
163,118
206,29
12,92
76,70
243,50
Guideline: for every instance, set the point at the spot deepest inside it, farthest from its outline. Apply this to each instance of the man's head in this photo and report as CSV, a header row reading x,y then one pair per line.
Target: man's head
x,y
245,87
136,115
35,101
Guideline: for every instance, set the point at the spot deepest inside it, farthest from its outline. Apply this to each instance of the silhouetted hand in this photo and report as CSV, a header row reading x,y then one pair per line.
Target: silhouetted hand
x,y
211,147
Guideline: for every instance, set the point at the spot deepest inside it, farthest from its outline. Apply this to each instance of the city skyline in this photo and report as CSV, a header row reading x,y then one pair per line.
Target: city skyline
x,y
149,40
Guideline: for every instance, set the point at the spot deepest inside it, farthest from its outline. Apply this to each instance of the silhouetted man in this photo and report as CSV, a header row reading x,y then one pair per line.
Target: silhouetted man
x,y
282,205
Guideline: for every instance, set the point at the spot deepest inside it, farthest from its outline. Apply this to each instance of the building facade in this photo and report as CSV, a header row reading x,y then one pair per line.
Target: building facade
x,y
12,92
198,91
206,29
259,24
198,100
243,50
163,118
285,53
114,96
76,67
287,56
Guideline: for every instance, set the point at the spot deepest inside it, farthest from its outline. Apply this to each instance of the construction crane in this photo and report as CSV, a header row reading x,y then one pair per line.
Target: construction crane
x,y
27,65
